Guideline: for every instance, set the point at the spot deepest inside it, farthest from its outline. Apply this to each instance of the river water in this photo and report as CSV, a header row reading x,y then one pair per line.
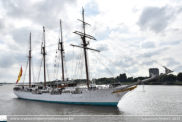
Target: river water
x,y
147,100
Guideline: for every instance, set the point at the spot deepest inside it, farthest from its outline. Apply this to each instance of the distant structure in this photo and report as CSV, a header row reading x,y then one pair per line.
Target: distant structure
x,y
154,71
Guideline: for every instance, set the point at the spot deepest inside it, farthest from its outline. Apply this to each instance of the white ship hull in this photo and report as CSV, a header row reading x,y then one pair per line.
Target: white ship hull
x,y
92,97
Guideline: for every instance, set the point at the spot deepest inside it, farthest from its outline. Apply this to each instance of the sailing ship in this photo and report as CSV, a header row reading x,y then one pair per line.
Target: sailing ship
x,y
74,94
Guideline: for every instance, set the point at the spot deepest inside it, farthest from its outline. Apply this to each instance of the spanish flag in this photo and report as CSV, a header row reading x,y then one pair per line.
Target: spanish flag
x,y
20,74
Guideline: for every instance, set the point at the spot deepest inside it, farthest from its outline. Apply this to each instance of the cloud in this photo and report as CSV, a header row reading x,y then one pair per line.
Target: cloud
x,y
102,47
155,18
7,60
170,43
21,36
69,56
148,63
123,63
2,24
43,12
171,62
121,31
153,53
133,70
148,44
178,68
92,9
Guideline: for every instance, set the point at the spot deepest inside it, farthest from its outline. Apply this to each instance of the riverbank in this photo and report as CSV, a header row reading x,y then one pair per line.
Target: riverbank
x,y
156,83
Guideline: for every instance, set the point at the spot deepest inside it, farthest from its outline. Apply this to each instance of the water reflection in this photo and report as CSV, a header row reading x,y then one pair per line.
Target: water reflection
x,y
42,108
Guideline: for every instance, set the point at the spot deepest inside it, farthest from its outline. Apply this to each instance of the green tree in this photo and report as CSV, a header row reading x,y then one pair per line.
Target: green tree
x,y
164,78
179,76
123,77
130,79
171,78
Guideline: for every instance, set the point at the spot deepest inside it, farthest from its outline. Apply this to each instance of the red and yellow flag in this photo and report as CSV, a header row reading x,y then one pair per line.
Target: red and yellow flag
x,y
20,74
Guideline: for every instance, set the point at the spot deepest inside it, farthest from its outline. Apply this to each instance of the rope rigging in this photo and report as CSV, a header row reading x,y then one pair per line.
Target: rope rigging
x,y
73,62
58,65
106,68
65,67
94,67
133,49
116,65
39,70
123,54
33,73
25,73
47,72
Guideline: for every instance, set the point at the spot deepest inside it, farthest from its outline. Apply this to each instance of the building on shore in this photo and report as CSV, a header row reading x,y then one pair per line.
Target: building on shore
x,y
154,71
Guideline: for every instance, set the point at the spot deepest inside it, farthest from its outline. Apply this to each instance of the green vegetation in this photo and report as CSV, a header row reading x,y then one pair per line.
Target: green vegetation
x,y
122,78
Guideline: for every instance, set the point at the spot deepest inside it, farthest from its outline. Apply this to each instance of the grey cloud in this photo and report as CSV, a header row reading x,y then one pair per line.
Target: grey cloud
x,y
170,43
39,13
103,47
4,27
1,24
43,12
148,44
134,10
152,53
21,36
180,10
21,39
9,59
69,56
171,61
133,70
148,63
123,63
155,19
178,68
6,62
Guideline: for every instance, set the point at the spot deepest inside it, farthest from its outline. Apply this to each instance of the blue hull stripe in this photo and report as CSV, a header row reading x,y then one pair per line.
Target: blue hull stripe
x,y
84,103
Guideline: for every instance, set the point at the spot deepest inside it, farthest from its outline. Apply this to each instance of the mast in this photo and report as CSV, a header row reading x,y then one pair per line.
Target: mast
x,y
44,54
60,47
85,52
30,62
85,43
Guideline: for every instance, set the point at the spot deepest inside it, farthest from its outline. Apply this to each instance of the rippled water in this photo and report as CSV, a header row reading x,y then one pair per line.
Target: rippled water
x,y
154,100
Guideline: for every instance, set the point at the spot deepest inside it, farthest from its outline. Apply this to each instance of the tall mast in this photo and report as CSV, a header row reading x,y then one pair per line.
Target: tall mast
x,y
60,47
30,62
85,52
44,54
83,37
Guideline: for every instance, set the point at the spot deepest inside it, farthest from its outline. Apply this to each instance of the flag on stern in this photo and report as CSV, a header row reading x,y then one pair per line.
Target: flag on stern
x,y
20,74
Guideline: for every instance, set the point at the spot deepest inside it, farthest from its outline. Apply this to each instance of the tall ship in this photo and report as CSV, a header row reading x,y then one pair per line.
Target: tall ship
x,y
71,93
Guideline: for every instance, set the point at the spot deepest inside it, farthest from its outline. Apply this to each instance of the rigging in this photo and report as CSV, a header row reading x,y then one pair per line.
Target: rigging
x,y
85,43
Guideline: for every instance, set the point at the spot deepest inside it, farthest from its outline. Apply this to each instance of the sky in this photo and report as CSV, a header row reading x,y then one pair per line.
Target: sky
x,y
132,35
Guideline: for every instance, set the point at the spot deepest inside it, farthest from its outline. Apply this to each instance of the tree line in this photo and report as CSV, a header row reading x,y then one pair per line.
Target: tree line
x,y
122,78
